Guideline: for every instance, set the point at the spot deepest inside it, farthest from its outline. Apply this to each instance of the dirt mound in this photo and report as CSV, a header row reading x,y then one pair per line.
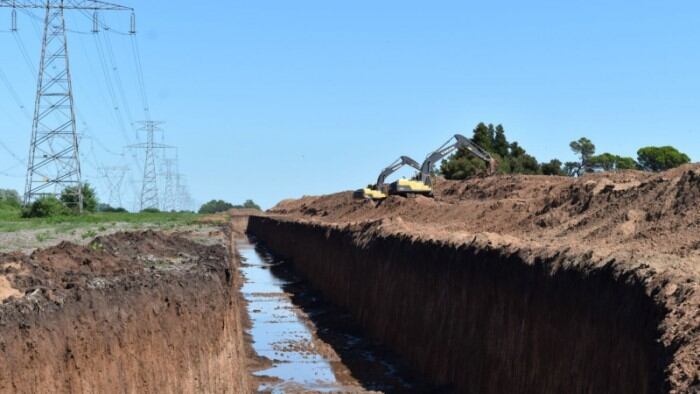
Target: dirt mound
x,y
630,211
644,225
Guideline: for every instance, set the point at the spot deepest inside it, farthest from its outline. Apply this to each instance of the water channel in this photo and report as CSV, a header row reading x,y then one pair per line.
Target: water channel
x,y
308,345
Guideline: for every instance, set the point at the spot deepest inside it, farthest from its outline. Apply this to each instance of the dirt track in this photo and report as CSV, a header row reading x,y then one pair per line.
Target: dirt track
x,y
641,227
130,312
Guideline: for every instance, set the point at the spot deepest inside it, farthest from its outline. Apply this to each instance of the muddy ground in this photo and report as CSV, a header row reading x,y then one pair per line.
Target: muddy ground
x,y
128,312
641,227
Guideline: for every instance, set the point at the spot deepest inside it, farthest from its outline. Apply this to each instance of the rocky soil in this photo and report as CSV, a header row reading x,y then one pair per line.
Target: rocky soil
x,y
642,227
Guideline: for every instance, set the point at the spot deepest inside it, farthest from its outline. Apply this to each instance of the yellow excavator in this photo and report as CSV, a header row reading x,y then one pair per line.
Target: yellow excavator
x,y
380,190
423,183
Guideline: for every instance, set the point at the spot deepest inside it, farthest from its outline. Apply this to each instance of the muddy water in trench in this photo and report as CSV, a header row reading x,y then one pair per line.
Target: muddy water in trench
x,y
311,345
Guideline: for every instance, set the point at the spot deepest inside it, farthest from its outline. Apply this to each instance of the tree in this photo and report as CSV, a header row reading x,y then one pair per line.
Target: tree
x,y
626,163
250,204
653,158
462,165
511,157
585,149
69,198
500,143
483,136
524,164
572,168
215,206
610,162
10,197
552,168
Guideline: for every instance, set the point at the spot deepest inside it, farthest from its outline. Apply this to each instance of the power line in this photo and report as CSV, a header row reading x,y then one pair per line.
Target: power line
x,y
54,159
25,55
140,77
13,94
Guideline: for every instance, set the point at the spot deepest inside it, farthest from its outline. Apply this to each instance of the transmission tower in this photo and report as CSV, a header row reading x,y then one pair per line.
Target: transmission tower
x,y
169,189
114,177
149,187
54,159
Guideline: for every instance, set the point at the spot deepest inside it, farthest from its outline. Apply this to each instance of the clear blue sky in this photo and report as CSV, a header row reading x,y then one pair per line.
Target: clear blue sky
x,y
276,99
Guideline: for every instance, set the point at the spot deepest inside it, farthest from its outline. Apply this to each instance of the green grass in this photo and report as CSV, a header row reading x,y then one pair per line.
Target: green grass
x,y
41,237
11,220
89,234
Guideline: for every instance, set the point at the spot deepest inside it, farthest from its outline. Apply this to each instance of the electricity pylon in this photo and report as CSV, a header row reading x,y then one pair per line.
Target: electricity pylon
x,y
149,187
54,159
114,177
169,190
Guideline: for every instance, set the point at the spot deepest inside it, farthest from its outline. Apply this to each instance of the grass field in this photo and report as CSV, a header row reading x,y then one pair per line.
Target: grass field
x,y
11,220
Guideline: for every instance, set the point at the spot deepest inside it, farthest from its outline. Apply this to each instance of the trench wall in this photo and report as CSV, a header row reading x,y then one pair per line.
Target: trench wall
x,y
167,333
483,320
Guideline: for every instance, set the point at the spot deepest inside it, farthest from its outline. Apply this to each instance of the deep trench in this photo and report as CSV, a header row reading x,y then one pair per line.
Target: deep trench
x,y
479,320
286,310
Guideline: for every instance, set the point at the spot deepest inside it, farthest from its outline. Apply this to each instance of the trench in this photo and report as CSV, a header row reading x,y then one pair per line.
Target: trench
x,y
310,345
478,319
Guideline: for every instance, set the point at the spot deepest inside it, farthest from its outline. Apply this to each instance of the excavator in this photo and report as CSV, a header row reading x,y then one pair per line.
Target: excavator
x,y
422,184
380,190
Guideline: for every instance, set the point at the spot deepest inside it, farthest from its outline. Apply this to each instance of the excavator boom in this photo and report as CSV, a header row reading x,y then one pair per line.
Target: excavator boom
x,y
393,167
461,142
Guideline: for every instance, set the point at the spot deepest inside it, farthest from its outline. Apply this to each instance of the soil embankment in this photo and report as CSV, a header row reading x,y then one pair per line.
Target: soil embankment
x,y
517,283
130,312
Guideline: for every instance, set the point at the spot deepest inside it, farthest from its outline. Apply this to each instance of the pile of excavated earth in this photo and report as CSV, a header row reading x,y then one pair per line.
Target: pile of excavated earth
x,y
644,226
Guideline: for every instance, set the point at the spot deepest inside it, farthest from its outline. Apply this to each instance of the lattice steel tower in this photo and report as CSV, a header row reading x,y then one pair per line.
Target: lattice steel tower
x,y
114,178
54,155
149,187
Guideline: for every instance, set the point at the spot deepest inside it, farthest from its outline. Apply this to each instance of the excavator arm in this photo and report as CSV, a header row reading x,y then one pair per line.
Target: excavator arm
x,y
380,190
395,166
461,142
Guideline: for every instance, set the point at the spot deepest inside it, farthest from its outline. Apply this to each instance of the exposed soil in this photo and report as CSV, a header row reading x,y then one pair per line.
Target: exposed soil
x,y
129,312
641,227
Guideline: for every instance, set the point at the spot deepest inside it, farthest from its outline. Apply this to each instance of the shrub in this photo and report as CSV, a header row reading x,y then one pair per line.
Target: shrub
x,y
45,207
215,206
150,210
110,209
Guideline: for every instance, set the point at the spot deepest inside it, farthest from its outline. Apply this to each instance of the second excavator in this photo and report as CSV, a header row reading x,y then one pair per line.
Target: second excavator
x,y
380,189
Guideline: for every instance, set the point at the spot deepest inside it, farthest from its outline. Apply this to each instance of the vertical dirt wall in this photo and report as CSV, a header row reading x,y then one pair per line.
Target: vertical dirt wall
x,y
171,330
482,320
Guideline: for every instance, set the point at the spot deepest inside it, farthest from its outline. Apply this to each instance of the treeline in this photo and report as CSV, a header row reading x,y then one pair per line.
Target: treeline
x,y
513,159
216,206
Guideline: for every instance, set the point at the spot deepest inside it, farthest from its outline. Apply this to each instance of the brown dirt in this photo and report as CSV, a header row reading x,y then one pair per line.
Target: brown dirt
x,y
130,312
643,225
